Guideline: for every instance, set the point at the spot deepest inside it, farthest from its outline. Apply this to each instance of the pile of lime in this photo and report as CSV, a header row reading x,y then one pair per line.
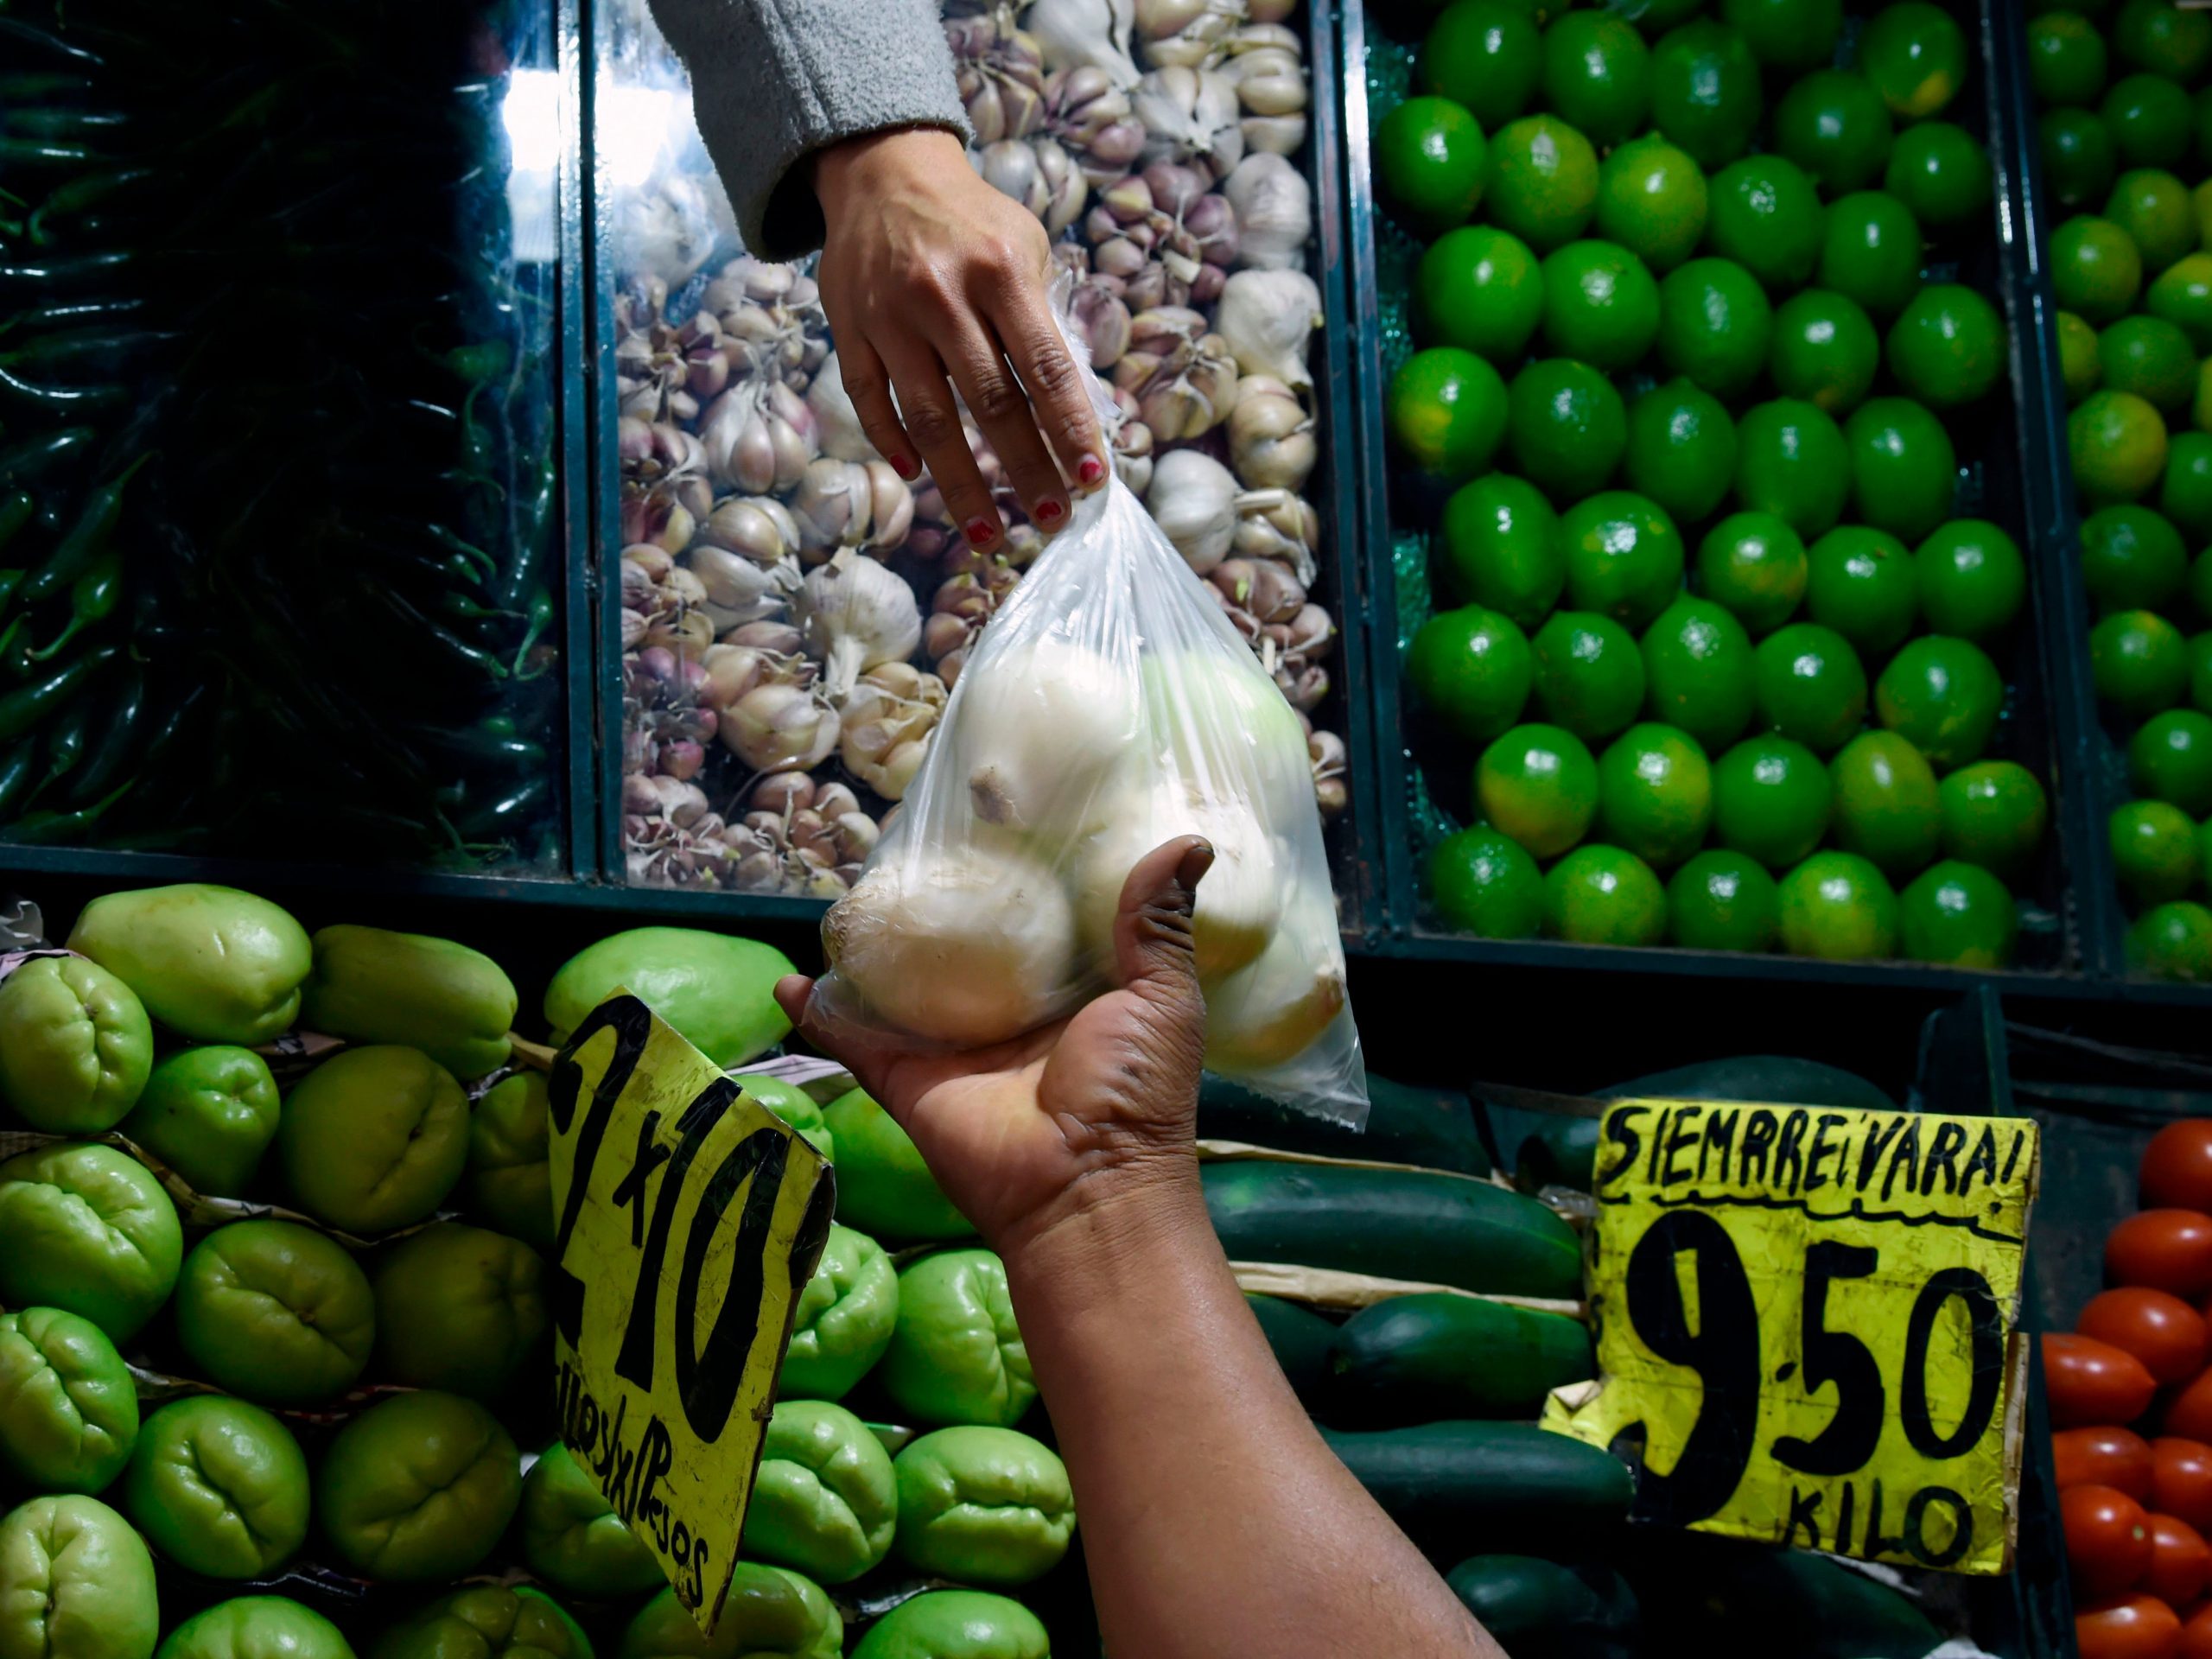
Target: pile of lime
x,y
1721,656
2127,151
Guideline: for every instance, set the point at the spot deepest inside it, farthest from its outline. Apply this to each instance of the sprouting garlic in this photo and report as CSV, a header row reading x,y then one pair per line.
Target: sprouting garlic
x,y
1271,442
855,615
888,721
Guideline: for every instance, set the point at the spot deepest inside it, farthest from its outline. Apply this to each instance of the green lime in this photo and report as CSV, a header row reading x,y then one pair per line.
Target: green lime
x,y
2201,412
1543,184
1948,348
2150,358
1655,794
1943,696
2154,851
2158,36
1790,461
1871,252
1429,157
2185,492
1809,685
2139,662
2131,559
1863,583
1904,473
2066,59
1447,413
1771,799
1485,884
1943,174
2200,200
1994,815
1567,428
2095,269
1715,324
1972,580
1754,564
1484,55
1959,915
1624,557
1653,201
2173,942
2118,445
1838,907
2169,759
2080,157
1471,667
1681,450
1698,671
1788,35
1723,901
1589,674
1826,351
1766,216
1479,290
2199,653
1538,784
2080,362
2159,215
2151,121
1705,91
2182,294
1499,547
1604,895
1915,57
1835,126
1601,304
1885,803
1597,75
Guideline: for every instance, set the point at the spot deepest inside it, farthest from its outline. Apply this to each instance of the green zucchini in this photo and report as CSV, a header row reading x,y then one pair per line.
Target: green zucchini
x,y
1302,1340
1393,1223
1415,1359
1432,1127
1482,1486
1721,1596
1540,1610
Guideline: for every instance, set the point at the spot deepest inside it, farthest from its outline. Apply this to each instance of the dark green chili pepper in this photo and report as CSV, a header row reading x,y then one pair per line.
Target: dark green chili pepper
x,y
26,706
104,345
479,363
47,274
33,87
78,312
16,510
13,28
58,121
61,400
18,766
35,153
509,811
541,617
86,538
112,747
92,601
23,461
43,828
65,740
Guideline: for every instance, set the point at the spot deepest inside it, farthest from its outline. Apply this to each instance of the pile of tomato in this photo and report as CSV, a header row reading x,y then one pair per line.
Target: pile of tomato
x,y
2131,1406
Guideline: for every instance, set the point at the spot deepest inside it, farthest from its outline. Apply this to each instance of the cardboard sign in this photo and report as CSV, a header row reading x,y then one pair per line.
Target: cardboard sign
x,y
688,1219
1808,1315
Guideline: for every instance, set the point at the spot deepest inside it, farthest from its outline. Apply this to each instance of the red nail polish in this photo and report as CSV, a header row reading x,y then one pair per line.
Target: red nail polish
x,y
1092,471
1050,512
906,466
981,530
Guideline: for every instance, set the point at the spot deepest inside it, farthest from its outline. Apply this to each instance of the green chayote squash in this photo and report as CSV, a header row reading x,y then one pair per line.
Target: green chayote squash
x,y
771,1612
986,1506
957,1355
212,964
372,986
956,1625
845,1317
75,1045
825,1501
716,990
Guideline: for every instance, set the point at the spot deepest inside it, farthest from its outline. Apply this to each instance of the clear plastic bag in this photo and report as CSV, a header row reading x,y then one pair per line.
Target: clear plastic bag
x,y
1109,707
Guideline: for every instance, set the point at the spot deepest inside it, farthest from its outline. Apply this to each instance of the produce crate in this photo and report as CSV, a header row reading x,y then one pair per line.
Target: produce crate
x,y
649,171
1422,772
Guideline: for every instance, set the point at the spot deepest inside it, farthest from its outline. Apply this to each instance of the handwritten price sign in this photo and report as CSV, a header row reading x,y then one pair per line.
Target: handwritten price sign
x,y
689,1218
1808,1318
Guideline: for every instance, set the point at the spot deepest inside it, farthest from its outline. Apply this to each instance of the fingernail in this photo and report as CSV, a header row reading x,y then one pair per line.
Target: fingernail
x,y
1093,470
906,466
1050,512
980,530
1196,860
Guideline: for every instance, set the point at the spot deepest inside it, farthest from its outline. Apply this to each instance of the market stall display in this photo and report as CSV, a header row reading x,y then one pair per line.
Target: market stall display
x,y
2125,166
1711,607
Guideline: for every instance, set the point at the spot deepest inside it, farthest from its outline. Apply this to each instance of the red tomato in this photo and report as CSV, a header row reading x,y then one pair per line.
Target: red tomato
x,y
2189,1413
2166,1249
2128,1627
2119,1457
2196,1634
2181,1481
2177,1166
2161,1329
2108,1540
2181,1563
2093,1381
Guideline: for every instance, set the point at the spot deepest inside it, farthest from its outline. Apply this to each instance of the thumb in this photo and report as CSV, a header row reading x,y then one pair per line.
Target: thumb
x,y
1154,953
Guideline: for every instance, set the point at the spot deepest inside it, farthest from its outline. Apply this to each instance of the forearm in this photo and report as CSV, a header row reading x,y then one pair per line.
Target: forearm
x,y
1217,1523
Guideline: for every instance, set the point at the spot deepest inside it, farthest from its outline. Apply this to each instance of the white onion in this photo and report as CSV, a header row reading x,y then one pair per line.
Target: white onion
x,y
1039,732
1264,1016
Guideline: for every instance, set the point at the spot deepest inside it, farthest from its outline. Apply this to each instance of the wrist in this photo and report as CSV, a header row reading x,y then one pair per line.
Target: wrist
x,y
867,160
1126,1215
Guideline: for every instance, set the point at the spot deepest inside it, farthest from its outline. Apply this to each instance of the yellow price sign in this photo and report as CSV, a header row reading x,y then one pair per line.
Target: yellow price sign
x,y
689,1218
1807,1317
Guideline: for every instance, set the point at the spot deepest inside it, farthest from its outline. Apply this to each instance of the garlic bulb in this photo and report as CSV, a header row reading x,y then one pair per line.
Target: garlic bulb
x,y
1133,445
1277,525
1330,761
780,728
891,506
757,437
836,419
1100,320
856,614
1001,76
1269,75
1087,113
1193,500
1271,441
1272,134
1085,34
1190,115
1266,318
738,590
1274,212
833,506
760,528
1189,33
888,722
1184,386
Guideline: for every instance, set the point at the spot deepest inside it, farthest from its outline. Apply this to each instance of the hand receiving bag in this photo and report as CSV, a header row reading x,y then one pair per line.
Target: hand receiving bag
x,y
1108,708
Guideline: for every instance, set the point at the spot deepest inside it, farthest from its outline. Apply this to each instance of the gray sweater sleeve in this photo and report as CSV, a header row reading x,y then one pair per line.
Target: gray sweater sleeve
x,y
775,80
